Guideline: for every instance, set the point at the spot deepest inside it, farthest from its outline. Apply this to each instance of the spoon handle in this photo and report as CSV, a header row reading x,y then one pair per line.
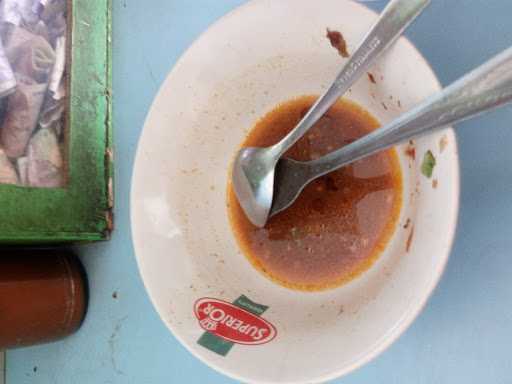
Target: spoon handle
x,y
397,15
486,87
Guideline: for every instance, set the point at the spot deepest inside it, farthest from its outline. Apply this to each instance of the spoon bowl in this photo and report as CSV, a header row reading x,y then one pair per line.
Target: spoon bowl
x,y
253,182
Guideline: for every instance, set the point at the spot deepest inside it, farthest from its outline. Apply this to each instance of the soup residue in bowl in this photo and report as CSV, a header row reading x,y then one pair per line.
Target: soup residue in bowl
x,y
341,222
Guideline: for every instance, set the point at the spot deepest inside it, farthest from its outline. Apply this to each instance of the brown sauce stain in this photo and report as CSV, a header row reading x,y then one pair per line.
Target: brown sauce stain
x,y
409,240
371,78
341,222
338,41
410,152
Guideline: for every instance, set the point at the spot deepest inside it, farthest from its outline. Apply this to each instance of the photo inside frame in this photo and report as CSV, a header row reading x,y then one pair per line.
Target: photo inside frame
x,y
33,93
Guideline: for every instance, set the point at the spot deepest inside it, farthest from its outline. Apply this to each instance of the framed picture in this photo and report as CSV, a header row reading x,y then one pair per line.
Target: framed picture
x,y
55,121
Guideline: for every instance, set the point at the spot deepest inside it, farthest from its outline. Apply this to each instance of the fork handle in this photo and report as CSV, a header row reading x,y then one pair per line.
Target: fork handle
x,y
485,88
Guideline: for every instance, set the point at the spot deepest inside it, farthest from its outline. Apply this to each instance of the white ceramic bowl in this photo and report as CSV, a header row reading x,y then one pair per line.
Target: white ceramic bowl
x,y
262,53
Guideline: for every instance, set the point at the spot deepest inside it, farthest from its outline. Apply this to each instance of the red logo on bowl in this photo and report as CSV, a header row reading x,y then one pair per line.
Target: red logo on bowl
x,y
232,323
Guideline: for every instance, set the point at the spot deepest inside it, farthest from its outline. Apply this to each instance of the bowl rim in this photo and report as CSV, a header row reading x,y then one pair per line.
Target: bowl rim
x,y
407,319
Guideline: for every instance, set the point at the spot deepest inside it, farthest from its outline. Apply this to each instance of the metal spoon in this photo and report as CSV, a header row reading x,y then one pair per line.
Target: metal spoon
x,y
487,87
253,169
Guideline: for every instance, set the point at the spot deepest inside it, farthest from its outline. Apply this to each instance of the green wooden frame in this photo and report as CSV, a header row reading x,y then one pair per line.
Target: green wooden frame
x,y
81,211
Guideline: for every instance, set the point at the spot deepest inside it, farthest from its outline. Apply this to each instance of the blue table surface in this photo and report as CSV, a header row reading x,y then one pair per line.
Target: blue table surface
x,y
464,333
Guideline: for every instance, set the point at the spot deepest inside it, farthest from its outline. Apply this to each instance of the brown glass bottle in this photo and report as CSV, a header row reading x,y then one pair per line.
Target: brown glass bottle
x,y
42,296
